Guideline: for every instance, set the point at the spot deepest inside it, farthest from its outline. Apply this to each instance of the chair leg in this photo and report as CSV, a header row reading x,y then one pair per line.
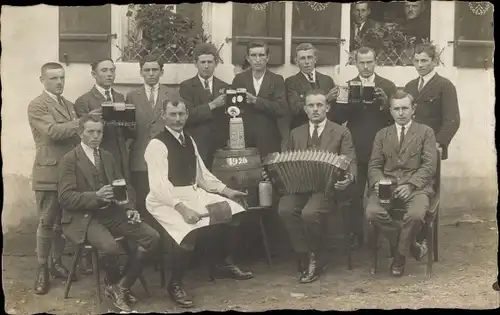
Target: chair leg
x,y
72,270
373,243
347,243
97,271
161,259
264,241
430,240
435,238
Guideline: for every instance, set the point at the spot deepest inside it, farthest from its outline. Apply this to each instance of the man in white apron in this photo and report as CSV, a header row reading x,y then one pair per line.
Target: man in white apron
x,y
181,189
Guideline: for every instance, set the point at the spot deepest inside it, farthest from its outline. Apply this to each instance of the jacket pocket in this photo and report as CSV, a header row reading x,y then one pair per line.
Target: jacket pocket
x,y
44,156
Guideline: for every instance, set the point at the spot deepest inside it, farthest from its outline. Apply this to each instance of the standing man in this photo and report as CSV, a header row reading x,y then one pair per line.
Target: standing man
x,y
182,192
91,213
266,101
115,140
405,152
302,214
308,78
416,21
361,24
147,100
204,94
435,97
54,126
364,121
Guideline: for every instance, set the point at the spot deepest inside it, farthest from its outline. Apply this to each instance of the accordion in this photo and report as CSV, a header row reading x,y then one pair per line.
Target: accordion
x,y
306,171
118,114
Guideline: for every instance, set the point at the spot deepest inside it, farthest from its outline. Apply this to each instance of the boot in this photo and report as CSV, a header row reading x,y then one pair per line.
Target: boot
x,y
57,270
302,263
42,282
175,290
132,273
86,267
311,273
117,295
230,270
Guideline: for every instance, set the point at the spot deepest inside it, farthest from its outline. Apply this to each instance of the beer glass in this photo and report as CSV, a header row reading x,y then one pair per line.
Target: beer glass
x,y
355,92
368,93
120,191
107,111
343,96
385,191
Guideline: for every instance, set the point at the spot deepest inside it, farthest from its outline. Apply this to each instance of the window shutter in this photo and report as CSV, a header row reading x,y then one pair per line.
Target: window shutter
x,y
474,42
84,33
259,21
319,24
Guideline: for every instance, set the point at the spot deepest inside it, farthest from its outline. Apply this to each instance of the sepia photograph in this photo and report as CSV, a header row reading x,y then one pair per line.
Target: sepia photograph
x,y
248,156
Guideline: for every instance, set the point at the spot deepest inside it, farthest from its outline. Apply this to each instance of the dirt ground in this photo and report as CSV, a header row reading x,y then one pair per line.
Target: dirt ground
x,y
462,278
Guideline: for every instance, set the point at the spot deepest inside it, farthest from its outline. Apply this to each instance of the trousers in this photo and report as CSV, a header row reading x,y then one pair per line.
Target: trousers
x,y
49,231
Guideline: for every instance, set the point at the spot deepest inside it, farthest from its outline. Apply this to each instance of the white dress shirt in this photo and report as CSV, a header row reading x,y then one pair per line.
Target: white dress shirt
x,y
155,89
103,92
313,73
321,127
426,78
257,83
176,134
398,128
210,83
52,95
89,152
370,79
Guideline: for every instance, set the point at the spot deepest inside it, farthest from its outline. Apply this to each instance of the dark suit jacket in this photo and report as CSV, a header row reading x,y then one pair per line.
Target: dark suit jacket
x,y
115,138
77,191
148,123
55,132
365,120
296,88
210,129
437,107
334,138
366,39
261,119
416,162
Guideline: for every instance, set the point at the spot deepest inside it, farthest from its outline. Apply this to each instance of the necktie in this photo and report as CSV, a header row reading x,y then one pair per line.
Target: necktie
x,y
108,96
97,159
152,97
182,140
207,87
401,137
63,104
315,137
310,77
421,84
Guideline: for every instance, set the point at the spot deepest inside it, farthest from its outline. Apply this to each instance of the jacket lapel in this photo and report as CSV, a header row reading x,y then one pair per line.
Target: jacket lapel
x,y
303,137
108,166
141,94
198,89
162,95
427,87
217,87
410,135
98,95
266,83
304,83
393,138
326,136
85,166
58,107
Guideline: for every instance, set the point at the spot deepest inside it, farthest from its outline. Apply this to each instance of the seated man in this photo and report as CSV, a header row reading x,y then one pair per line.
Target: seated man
x,y
302,213
181,191
407,153
92,215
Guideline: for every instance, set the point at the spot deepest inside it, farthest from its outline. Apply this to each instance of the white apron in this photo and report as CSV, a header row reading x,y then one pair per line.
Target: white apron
x,y
196,199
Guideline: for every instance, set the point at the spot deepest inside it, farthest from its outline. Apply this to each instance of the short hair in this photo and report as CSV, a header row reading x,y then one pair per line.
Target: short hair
x,y
96,63
401,94
364,50
256,44
175,99
151,58
50,66
361,2
86,118
427,48
315,92
305,46
205,49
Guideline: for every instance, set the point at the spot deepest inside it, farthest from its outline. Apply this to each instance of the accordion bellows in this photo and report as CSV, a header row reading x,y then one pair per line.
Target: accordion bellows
x,y
306,171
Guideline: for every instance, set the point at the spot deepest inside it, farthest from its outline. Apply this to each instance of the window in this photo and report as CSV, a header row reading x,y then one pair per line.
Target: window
x,y
259,21
392,29
319,24
474,45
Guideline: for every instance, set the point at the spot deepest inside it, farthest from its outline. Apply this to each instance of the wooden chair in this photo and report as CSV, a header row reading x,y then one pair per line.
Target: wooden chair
x,y
96,266
429,229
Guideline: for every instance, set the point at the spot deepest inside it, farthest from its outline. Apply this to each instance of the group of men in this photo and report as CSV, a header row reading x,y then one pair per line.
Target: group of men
x,y
166,160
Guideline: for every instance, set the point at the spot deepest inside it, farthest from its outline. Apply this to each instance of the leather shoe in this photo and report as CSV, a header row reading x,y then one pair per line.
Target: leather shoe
x,y
57,270
179,295
398,266
118,296
42,282
231,271
130,297
86,267
311,273
418,250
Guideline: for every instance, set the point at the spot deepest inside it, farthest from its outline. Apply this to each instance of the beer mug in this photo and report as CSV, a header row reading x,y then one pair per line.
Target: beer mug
x,y
107,111
241,97
129,117
265,194
355,92
386,189
343,96
230,98
368,93
120,191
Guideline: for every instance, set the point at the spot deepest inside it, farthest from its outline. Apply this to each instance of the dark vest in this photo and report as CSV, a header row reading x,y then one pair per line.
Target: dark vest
x,y
100,175
181,160
310,142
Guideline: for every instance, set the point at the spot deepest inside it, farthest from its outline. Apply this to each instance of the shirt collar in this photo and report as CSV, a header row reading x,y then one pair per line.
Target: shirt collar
x,y
360,26
202,80
174,133
370,79
313,75
428,76
260,79
321,125
155,87
51,95
407,126
102,90
88,149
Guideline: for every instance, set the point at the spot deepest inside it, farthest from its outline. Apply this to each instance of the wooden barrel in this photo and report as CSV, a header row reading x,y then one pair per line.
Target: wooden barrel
x,y
239,169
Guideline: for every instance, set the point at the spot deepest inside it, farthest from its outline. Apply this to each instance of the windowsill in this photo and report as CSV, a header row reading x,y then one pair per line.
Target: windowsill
x,y
173,73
